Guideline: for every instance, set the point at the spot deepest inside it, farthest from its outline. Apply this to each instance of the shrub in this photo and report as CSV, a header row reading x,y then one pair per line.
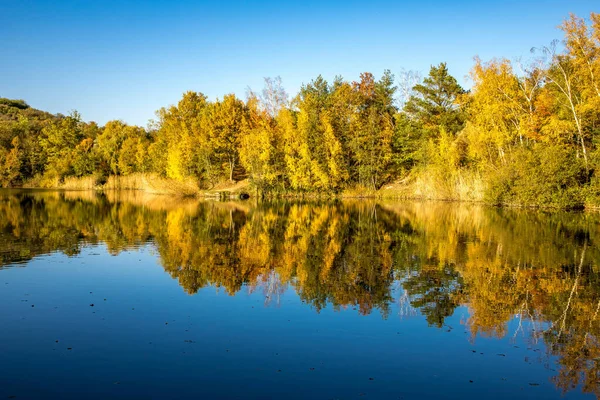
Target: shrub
x,y
541,175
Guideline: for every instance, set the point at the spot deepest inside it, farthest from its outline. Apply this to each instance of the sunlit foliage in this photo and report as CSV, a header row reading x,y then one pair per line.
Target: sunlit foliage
x,y
526,133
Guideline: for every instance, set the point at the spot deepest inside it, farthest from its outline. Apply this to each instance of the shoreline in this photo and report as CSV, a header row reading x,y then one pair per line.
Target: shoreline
x,y
246,195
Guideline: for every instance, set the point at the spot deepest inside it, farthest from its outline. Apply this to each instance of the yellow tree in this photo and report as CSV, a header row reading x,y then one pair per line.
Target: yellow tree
x,y
11,164
583,45
110,145
577,75
337,122
573,78
501,109
261,147
311,157
299,127
295,150
228,121
181,140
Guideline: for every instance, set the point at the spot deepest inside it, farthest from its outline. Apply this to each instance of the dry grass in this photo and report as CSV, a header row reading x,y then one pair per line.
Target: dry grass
x,y
232,187
149,183
358,192
83,183
463,185
42,182
152,183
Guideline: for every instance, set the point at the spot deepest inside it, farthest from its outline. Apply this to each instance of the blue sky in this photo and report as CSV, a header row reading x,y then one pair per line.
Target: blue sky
x,y
126,59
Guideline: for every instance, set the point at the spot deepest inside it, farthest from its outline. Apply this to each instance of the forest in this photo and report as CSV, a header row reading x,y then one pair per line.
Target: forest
x,y
526,133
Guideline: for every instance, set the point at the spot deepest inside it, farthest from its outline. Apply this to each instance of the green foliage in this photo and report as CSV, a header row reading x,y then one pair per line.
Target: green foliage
x,y
57,142
20,104
435,102
118,146
548,175
373,128
406,144
84,162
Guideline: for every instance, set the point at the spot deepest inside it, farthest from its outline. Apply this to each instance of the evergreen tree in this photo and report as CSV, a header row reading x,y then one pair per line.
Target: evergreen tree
x,y
435,104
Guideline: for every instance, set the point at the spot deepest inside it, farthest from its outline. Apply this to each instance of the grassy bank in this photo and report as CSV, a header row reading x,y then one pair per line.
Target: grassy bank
x,y
148,183
431,184
435,185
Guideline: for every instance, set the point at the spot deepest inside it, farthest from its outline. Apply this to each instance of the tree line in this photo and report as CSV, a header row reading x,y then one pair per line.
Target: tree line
x,y
526,133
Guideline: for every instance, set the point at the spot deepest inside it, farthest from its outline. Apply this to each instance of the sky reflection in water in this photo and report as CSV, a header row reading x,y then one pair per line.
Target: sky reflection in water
x,y
131,296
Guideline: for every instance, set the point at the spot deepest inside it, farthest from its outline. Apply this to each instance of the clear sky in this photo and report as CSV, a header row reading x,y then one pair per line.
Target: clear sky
x,y
126,59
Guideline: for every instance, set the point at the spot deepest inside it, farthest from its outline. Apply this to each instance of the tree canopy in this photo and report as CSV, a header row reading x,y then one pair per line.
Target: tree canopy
x,y
527,132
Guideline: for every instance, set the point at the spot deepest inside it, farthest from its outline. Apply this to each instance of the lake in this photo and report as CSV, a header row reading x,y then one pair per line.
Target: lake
x,y
126,295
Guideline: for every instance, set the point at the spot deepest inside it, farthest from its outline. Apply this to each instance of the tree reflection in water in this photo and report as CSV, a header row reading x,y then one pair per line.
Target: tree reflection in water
x,y
536,267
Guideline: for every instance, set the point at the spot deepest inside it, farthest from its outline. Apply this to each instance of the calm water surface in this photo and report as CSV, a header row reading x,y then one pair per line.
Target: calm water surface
x,y
129,296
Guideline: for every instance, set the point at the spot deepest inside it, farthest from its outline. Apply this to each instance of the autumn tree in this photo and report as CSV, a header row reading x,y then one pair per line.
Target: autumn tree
x,y
58,140
273,96
228,122
261,147
10,161
117,145
574,78
181,145
502,109
373,129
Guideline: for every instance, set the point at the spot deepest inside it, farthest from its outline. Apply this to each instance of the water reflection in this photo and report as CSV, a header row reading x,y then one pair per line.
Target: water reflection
x,y
538,269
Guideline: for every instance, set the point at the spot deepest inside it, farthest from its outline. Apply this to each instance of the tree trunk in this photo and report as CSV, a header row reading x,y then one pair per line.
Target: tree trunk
x,y
231,166
580,132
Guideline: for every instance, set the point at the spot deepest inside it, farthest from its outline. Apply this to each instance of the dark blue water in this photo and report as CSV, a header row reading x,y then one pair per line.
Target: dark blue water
x,y
122,322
